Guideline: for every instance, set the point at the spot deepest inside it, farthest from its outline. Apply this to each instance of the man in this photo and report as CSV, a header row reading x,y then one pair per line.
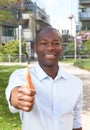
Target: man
x,y
56,101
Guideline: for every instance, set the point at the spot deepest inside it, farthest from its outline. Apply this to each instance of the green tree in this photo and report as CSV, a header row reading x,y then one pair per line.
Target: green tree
x,y
5,7
12,47
85,48
69,49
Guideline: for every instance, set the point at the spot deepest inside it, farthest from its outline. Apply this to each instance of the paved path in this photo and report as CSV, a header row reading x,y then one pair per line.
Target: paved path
x,y
85,77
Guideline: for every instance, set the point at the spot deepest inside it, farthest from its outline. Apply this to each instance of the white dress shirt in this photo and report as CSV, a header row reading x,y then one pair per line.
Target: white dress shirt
x,y
58,102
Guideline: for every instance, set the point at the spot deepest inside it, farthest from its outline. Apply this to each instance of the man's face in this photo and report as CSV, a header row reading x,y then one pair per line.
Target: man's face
x,y
48,48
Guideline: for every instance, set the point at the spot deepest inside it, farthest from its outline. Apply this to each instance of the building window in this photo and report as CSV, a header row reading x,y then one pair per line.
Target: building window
x,y
8,31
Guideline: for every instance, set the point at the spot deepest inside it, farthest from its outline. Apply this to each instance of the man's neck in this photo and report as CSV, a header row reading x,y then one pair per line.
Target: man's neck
x,y
51,71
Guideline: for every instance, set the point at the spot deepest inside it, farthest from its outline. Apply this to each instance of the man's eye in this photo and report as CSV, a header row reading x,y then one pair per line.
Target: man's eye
x,y
56,44
42,43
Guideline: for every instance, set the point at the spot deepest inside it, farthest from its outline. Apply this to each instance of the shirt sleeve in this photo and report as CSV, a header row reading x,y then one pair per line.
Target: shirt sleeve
x,y
77,123
16,79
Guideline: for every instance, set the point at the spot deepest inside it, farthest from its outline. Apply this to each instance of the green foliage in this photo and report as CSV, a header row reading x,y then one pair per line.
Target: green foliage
x,y
67,60
1,49
69,49
8,121
85,48
85,25
83,63
12,47
5,14
7,3
65,38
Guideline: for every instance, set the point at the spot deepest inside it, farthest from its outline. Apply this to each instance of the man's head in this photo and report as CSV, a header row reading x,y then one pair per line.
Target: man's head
x,y
48,47
48,29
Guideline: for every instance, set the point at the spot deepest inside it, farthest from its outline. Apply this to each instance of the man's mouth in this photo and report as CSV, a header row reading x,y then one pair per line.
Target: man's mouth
x,y
50,56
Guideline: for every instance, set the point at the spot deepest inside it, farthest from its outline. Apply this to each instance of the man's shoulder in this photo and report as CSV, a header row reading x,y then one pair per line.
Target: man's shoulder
x,y
71,76
18,70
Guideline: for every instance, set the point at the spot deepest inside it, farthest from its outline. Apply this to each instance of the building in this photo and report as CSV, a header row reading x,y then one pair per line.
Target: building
x,y
84,14
27,14
36,18
30,17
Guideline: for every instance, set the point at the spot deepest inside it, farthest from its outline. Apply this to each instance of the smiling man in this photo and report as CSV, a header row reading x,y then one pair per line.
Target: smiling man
x,y
56,102
48,49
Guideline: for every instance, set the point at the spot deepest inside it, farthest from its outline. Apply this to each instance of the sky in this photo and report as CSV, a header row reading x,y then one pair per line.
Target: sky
x,y
59,11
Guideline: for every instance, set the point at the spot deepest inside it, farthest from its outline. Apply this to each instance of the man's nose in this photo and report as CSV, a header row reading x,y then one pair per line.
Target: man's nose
x,y
50,45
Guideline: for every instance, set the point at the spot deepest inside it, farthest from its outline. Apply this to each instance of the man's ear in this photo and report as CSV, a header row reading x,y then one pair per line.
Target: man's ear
x,y
35,48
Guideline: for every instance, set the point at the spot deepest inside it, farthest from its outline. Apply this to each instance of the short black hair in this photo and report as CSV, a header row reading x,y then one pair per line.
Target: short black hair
x,y
46,29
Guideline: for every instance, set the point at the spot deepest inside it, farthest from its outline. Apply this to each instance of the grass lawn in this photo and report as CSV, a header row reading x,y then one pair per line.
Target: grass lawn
x,y
83,63
8,120
67,60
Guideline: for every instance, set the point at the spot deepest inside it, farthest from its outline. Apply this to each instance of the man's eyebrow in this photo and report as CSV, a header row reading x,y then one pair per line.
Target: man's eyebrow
x,y
41,40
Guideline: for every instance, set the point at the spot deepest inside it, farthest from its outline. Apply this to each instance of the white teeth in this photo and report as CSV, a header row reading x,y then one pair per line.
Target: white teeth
x,y
50,56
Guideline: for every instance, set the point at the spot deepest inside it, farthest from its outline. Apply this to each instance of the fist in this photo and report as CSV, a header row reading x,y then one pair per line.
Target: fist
x,y
23,98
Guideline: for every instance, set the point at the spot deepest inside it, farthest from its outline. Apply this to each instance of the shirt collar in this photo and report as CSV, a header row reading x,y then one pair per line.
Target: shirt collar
x,y
61,74
40,72
42,75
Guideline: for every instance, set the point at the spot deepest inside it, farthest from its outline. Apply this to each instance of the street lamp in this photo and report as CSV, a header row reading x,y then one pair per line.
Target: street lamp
x,y
75,44
20,46
71,17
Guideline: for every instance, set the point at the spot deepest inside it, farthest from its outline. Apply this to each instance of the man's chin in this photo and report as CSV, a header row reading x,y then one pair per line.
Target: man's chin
x,y
50,64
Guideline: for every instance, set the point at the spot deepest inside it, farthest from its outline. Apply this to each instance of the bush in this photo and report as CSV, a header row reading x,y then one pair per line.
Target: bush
x,y
83,50
83,63
69,49
12,47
